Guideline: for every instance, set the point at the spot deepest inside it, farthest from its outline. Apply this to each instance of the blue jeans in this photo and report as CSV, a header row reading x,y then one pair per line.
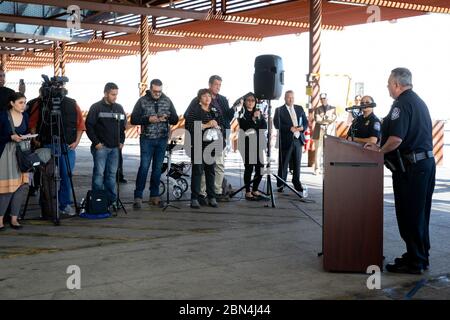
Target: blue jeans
x,y
106,162
65,190
152,150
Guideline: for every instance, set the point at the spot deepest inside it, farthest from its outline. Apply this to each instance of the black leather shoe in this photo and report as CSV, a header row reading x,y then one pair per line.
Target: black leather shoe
x,y
403,260
280,189
202,201
123,181
2,228
404,268
16,226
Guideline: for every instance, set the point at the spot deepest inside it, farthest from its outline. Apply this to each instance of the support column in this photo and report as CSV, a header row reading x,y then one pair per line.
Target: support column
x,y
63,59
315,29
145,54
56,59
3,62
223,6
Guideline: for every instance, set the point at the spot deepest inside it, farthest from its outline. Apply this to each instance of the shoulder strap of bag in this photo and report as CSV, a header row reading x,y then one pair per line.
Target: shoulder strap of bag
x,y
11,122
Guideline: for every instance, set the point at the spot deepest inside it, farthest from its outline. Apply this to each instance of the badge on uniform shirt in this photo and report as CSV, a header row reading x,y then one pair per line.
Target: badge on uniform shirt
x,y
395,113
367,123
377,126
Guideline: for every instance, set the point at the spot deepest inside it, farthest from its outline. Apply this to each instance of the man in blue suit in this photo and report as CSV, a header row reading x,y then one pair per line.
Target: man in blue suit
x,y
291,122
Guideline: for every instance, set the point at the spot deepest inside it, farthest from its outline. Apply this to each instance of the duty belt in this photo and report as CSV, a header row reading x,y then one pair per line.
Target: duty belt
x,y
416,157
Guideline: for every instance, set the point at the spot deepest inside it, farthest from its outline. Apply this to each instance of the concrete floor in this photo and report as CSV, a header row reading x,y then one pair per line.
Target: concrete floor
x,y
241,250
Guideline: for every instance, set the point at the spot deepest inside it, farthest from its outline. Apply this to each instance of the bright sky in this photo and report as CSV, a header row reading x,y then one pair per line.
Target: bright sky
x,y
366,53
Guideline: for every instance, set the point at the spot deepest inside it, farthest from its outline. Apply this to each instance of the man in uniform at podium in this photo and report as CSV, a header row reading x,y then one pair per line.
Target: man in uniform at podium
x,y
366,127
407,144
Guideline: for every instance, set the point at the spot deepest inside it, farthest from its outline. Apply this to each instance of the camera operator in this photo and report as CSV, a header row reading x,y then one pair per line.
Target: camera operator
x,y
105,127
72,128
154,112
366,127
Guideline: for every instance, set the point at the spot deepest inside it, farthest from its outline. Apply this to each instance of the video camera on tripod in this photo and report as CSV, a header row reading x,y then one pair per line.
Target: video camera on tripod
x,y
53,96
53,91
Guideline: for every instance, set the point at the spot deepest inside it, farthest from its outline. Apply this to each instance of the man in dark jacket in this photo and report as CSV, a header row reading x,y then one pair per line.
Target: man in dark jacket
x,y
291,122
105,127
226,113
154,112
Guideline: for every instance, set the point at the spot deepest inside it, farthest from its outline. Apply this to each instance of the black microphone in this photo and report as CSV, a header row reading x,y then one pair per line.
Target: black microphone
x,y
363,106
257,108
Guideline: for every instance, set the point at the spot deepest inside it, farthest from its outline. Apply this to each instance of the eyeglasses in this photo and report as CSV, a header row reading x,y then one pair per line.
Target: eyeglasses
x,y
250,100
365,102
156,92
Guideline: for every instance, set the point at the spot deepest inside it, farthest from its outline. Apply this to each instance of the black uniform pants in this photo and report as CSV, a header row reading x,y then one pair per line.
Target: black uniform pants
x,y
285,156
413,191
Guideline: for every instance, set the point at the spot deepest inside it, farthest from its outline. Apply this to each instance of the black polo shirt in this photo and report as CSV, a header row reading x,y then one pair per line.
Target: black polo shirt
x,y
409,119
366,127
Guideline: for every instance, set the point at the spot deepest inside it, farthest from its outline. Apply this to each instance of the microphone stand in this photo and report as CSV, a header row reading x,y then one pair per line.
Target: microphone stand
x,y
170,146
118,201
355,118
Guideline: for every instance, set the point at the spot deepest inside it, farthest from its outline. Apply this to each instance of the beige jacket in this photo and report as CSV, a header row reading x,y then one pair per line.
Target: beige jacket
x,y
325,117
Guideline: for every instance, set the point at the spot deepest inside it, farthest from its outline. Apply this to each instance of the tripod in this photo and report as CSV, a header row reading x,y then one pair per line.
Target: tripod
x,y
59,141
58,149
170,146
119,205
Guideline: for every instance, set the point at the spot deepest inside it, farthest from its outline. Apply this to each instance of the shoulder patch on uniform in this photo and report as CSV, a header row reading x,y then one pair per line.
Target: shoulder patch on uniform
x,y
395,113
377,126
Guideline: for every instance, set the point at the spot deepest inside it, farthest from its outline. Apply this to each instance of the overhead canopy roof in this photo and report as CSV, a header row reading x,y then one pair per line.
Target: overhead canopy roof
x,y
110,29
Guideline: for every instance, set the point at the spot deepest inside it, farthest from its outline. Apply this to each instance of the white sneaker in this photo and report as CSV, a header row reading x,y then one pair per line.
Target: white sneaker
x,y
67,210
305,192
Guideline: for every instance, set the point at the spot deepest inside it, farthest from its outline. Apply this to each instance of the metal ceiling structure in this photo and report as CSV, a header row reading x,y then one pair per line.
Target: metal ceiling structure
x,y
30,30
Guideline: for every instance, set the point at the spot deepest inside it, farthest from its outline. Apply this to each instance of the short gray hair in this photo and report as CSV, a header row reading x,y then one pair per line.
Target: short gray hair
x,y
403,76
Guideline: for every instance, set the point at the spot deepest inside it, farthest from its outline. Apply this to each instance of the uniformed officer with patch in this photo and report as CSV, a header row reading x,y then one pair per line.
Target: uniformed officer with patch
x,y
366,127
407,144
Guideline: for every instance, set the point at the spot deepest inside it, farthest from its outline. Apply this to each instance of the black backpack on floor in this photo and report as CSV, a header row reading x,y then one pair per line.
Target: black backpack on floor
x,y
96,202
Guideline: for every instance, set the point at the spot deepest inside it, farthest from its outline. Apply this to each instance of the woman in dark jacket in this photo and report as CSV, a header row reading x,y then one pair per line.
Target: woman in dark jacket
x,y
13,183
251,144
207,118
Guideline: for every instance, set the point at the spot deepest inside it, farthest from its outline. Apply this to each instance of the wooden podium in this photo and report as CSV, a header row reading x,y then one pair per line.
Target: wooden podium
x,y
352,206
